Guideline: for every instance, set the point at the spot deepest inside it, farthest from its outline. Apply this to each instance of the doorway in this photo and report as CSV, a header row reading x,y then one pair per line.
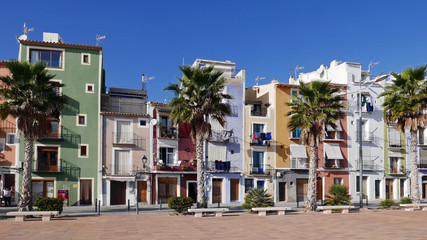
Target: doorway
x,y
302,189
167,188
282,191
117,193
234,189
192,191
85,191
142,191
389,188
216,190
319,189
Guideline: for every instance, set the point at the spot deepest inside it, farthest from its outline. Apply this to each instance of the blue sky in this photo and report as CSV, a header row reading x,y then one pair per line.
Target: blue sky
x,y
265,38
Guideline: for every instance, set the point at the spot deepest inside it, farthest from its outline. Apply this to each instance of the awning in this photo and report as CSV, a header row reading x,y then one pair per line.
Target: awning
x,y
298,151
332,151
395,154
330,128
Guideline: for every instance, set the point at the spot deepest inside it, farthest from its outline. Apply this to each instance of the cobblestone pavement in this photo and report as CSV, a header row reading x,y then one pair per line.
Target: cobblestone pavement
x,y
378,224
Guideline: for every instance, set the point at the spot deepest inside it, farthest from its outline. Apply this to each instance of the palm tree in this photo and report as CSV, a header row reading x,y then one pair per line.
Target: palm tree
x,y
198,99
405,104
319,105
31,98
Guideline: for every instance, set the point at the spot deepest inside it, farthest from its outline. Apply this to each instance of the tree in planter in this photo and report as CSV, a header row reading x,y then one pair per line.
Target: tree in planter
x,y
198,98
405,104
257,197
319,105
338,196
32,98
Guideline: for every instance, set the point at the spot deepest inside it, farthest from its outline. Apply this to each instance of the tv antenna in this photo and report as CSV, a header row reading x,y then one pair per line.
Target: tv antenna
x,y
26,31
371,64
296,70
257,79
145,79
99,38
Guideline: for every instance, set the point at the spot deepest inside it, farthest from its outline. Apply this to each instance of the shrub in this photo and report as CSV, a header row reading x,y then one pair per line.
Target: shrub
x,y
338,196
405,200
257,197
387,203
49,204
180,204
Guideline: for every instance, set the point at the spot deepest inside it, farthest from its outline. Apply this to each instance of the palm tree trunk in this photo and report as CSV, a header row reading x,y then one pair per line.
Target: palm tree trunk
x,y
201,195
310,202
25,201
415,190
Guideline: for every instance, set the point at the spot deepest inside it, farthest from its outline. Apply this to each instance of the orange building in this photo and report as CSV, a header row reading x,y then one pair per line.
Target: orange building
x,y
8,147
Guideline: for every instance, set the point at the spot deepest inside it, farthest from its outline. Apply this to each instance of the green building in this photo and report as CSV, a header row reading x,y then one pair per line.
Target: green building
x,y
67,156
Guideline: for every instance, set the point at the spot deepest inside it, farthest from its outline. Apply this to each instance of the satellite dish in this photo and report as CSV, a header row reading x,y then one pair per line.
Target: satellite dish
x,y
153,121
23,37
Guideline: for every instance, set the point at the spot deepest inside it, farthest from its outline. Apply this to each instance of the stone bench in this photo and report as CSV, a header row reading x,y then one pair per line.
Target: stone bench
x,y
20,216
198,212
262,211
413,206
328,209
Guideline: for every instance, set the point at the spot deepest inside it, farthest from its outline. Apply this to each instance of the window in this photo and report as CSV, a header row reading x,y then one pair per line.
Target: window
x,y
11,138
52,128
85,58
52,59
393,137
124,133
81,120
296,133
423,157
47,159
42,188
367,102
2,144
142,123
366,135
122,163
338,181
260,184
83,150
167,155
167,129
58,90
295,94
90,88
249,183
394,165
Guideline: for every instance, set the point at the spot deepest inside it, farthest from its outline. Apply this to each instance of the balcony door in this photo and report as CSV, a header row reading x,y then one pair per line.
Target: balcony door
x,y
122,162
47,159
389,188
124,132
258,162
167,188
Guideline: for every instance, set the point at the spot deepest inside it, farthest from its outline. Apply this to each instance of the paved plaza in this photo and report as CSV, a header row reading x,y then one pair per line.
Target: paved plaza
x,y
368,224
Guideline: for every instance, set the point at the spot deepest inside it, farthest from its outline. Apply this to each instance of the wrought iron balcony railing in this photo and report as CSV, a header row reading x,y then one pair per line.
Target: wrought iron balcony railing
x,y
260,169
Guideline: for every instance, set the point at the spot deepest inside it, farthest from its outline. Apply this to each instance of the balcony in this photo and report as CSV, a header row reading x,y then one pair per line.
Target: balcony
x,y
333,164
259,112
123,170
260,139
168,132
334,135
221,166
301,163
366,136
394,143
123,138
422,165
222,137
47,166
368,165
260,169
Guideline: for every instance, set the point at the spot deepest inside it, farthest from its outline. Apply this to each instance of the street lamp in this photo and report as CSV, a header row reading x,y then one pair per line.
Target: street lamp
x,y
144,161
377,79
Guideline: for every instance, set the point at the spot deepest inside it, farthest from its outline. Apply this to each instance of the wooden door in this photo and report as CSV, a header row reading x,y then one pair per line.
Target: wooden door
x,y
167,188
48,159
118,193
389,188
216,190
234,189
282,191
142,191
402,187
302,189
319,189
85,191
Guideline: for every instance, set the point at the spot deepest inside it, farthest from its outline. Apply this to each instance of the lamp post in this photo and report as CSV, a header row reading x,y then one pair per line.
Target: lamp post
x,y
144,161
377,79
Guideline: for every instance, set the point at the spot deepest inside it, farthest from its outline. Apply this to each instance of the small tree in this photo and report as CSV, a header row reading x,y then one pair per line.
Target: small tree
x,y
338,196
258,197
180,204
